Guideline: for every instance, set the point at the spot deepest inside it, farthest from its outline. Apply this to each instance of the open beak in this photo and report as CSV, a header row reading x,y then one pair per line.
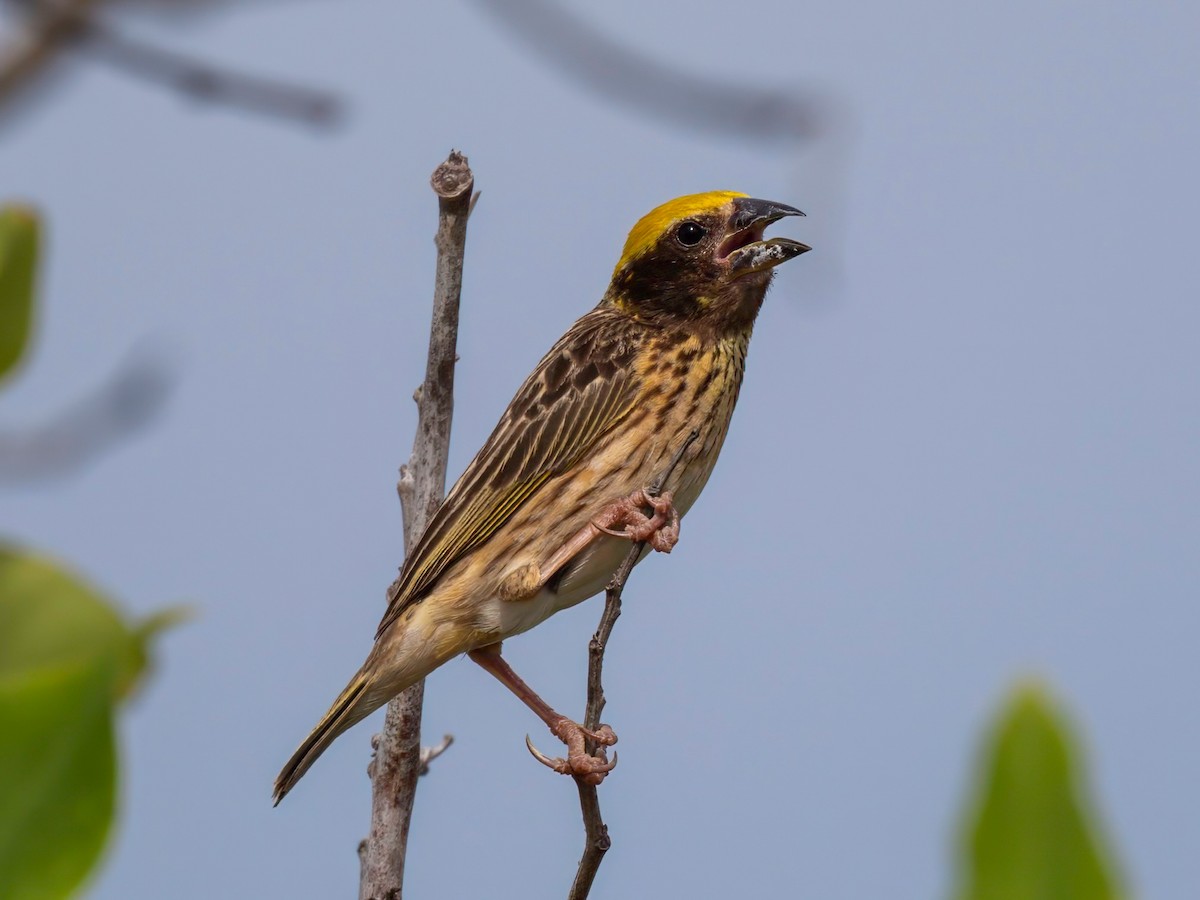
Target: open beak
x,y
744,249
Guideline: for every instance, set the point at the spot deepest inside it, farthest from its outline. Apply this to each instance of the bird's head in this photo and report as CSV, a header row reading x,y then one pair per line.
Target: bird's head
x,y
701,259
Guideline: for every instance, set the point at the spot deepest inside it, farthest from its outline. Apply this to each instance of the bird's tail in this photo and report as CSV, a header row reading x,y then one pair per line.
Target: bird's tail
x,y
353,705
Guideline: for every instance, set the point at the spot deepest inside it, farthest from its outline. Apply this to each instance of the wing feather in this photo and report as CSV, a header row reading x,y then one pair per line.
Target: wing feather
x,y
577,393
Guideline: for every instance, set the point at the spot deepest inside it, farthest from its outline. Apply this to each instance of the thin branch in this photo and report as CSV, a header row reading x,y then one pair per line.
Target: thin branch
x,y
398,762
429,754
596,839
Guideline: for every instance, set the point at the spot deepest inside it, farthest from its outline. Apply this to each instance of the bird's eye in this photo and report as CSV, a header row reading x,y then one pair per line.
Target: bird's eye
x,y
690,234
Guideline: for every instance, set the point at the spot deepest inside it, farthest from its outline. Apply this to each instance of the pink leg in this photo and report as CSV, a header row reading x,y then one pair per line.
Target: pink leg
x,y
579,762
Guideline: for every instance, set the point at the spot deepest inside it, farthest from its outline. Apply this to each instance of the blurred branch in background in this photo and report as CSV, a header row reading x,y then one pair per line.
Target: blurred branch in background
x,y
607,67
47,28
42,35
133,396
202,81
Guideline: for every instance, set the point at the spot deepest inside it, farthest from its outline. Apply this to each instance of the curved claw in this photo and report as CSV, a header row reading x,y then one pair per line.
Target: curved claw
x,y
557,764
594,773
610,531
591,769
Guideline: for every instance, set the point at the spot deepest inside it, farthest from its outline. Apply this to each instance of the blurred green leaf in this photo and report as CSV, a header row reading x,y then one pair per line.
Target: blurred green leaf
x,y
1033,834
19,238
66,659
57,778
48,617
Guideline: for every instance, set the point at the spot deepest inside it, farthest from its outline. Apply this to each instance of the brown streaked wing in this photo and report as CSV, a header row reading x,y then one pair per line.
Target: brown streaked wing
x,y
580,390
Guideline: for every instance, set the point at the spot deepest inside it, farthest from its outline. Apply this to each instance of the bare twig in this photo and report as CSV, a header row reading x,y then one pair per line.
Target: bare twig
x,y
422,484
596,839
429,754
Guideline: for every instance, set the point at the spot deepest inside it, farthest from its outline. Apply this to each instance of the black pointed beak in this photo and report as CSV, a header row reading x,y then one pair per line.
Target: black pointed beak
x,y
744,249
747,212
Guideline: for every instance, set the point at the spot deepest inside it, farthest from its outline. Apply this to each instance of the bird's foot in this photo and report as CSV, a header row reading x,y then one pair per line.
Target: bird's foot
x,y
591,769
660,529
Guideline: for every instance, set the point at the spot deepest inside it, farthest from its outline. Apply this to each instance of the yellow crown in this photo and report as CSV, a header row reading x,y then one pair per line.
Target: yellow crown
x,y
654,224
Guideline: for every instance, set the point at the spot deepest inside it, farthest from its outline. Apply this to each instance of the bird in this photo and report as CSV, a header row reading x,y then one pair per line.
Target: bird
x,y
544,514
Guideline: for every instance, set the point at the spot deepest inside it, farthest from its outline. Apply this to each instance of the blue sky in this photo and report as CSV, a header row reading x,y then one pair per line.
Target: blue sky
x,y
967,448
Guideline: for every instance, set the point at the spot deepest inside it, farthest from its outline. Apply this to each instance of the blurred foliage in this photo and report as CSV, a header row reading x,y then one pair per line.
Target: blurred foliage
x,y
128,402
1033,834
19,232
66,660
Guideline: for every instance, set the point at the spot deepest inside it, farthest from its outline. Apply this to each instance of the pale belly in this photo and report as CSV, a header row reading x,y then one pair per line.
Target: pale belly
x,y
589,574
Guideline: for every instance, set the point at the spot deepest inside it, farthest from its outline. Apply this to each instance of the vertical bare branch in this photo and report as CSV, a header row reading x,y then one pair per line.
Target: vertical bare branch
x,y
397,761
596,839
